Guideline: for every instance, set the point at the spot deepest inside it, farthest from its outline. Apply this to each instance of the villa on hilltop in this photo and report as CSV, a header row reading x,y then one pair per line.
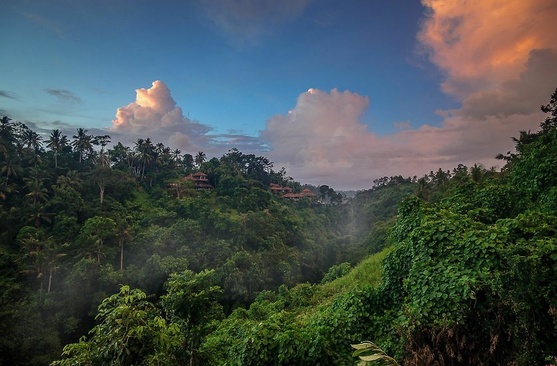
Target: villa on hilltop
x,y
306,193
278,189
199,179
286,192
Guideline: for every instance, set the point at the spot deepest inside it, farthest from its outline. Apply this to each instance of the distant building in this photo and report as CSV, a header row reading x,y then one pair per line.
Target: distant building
x,y
199,179
278,189
306,193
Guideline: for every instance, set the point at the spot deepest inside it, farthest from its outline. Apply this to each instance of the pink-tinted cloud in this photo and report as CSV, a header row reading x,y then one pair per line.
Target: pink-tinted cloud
x,y
323,141
520,95
481,43
154,114
498,58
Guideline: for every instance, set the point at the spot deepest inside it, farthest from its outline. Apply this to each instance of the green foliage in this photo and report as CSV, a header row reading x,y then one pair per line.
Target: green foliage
x,y
468,276
370,354
130,331
191,303
336,271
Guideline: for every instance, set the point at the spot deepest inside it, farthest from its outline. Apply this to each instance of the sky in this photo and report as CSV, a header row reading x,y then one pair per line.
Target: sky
x,y
336,92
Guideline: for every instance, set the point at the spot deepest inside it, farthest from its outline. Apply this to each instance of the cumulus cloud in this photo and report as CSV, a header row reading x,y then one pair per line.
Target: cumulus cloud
x,y
246,21
322,140
154,114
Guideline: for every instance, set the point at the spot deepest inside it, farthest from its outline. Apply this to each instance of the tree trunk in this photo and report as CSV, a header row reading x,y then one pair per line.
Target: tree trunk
x,y
49,281
101,187
122,255
191,353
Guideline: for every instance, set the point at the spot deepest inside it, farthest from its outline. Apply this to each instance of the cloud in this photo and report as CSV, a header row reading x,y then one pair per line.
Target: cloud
x,y
154,114
480,44
498,58
64,96
322,140
7,94
246,21
521,95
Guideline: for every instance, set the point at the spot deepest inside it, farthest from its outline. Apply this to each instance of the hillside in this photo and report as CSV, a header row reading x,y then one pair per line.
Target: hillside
x,y
142,257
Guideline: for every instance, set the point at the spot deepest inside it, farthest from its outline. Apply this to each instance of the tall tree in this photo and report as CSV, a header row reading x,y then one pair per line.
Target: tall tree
x,y
96,231
9,169
41,254
30,139
200,159
145,153
37,191
102,140
191,302
176,157
82,143
188,162
130,331
121,156
56,143
7,137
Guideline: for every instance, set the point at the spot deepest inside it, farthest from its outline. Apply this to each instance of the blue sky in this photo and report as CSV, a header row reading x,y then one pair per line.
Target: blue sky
x,y
397,87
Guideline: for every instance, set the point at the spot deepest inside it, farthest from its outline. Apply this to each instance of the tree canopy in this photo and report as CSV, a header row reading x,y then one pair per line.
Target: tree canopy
x,y
116,255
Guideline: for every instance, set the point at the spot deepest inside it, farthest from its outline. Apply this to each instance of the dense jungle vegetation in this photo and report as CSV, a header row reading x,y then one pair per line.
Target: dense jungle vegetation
x,y
109,256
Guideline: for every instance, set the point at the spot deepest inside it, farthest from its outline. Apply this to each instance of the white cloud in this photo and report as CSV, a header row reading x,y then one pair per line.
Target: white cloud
x,y
154,114
323,141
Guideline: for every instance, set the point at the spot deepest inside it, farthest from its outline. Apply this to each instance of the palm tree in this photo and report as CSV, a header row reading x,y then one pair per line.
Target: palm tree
x,y
103,141
145,153
82,143
121,156
187,161
37,192
31,139
56,142
96,231
71,179
200,158
123,236
9,169
43,255
176,155
7,137
164,157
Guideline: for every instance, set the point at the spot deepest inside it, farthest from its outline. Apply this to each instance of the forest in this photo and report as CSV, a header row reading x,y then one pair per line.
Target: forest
x,y
118,255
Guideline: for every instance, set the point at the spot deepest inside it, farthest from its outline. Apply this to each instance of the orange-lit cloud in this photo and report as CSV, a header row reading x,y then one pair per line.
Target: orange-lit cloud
x,y
481,43
154,114
498,59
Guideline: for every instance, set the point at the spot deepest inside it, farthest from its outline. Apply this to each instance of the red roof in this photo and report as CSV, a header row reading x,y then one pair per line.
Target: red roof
x,y
305,193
